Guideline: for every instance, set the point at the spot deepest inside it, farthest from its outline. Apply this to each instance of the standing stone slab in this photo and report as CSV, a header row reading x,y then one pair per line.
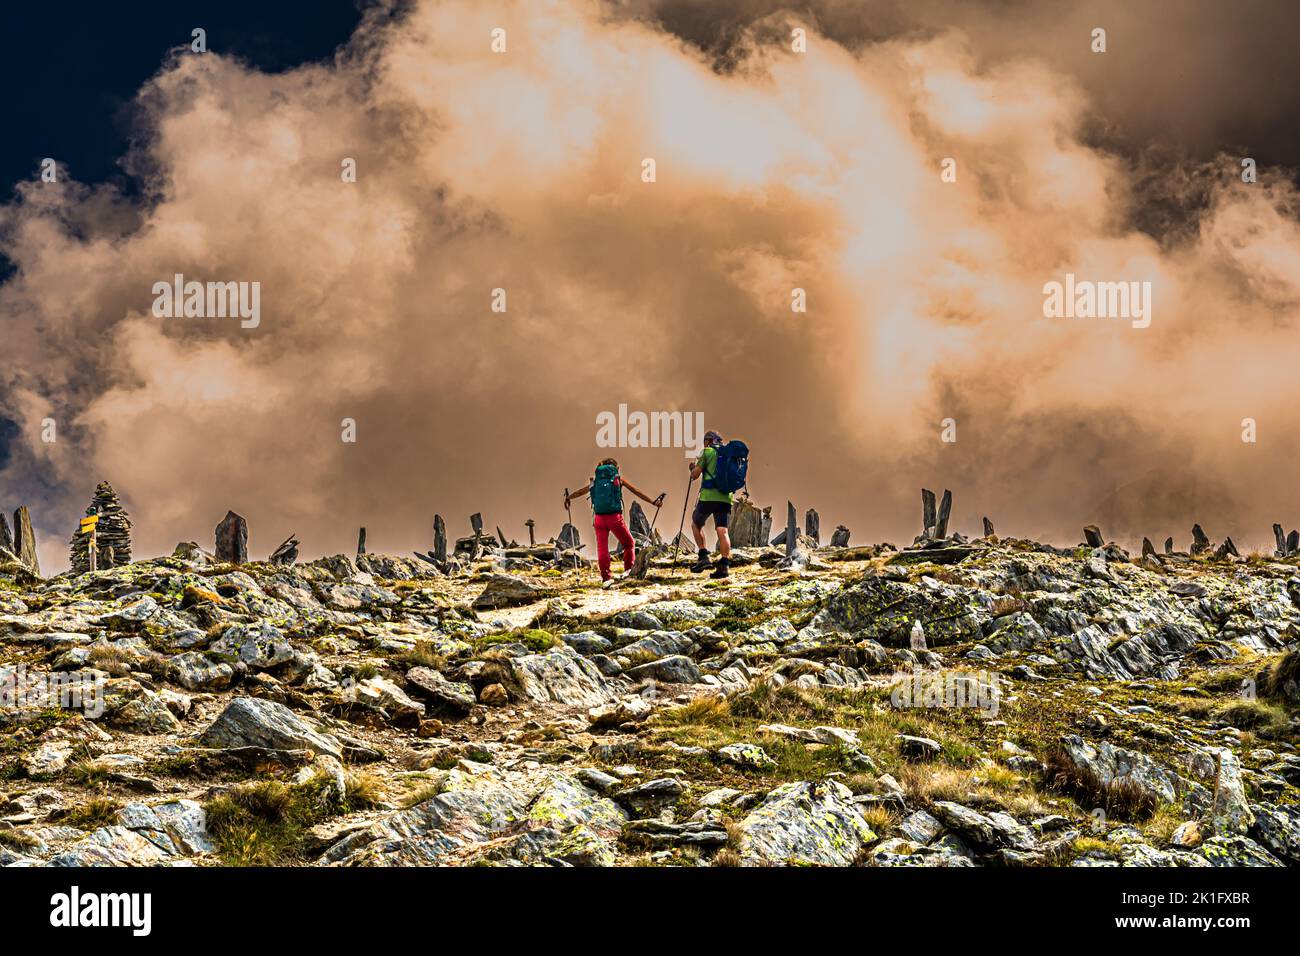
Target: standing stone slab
x,y
746,525
25,540
638,523
1293,542
439,540
1230,811
476,522
361,542
1147,547
569,537
928,516
7,539
1092,535
532,535
1200,541
287,553
1169,545
812,526
1279,538
791,529
840,539
988,528
945,510
232,539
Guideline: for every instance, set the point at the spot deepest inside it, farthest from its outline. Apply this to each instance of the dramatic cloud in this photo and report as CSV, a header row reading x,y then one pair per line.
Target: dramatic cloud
x,y
775,170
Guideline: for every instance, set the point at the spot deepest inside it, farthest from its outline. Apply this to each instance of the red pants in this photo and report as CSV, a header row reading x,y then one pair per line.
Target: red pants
x,y
604,525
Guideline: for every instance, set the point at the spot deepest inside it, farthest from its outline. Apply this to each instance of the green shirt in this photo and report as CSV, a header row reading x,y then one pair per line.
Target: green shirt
x,y
708,461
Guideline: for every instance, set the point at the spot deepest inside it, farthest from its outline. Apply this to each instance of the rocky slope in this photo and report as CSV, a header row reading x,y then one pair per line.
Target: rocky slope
x,y
957,704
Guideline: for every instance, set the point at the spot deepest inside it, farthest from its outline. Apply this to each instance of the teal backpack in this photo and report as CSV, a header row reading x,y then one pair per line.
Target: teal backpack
x,y
607,491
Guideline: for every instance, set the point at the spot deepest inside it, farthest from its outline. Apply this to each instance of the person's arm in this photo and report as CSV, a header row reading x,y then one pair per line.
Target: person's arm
x,y
697,469
643,496
579,493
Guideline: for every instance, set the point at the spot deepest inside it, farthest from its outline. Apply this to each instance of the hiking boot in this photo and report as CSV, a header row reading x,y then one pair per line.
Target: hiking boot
x,y
607,583
722,570
702,562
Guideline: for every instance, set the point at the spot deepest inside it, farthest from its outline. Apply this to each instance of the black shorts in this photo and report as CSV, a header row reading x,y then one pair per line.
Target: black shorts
x,y
720,510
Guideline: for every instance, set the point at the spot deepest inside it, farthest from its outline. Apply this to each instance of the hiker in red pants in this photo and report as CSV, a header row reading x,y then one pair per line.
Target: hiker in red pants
x,y
606,490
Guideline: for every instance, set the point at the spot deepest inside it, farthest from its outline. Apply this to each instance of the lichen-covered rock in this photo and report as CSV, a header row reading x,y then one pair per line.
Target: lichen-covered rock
x,y
445,696
1277,829
506,590
179,828
1111,764
196,671
383,694
677,669
1235,851
805,823
249,722
1229,812
746,756
112,846
492,816
559,676
675,613
884,610
651,796
260,646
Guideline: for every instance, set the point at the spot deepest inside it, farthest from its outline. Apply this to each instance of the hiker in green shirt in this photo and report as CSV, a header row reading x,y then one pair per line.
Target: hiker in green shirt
x,y
713,503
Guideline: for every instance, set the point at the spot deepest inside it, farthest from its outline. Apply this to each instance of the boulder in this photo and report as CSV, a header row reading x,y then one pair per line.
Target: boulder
x,y
444,696
260,646
808,823
559,676
675,669
507,590
746,756
651,796
492,816
383,694
249,722
1229,812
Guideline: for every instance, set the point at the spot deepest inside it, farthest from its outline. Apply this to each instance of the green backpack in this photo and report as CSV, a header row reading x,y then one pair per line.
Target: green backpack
x,y
606,491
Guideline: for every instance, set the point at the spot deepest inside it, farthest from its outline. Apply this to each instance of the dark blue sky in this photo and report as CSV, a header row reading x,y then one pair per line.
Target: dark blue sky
x,y
69,72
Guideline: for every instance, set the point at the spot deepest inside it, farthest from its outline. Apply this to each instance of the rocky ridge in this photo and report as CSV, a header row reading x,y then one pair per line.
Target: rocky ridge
x,y
957,703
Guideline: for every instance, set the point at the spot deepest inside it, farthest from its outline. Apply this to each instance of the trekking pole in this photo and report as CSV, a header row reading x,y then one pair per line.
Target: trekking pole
x,y
569,512
683,521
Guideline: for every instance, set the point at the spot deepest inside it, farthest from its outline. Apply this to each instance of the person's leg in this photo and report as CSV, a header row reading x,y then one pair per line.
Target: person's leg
x,y
625,539
601,524
698,517
721,519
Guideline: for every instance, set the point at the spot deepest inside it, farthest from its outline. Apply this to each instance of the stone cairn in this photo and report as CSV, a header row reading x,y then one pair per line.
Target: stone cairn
x,y
112,534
